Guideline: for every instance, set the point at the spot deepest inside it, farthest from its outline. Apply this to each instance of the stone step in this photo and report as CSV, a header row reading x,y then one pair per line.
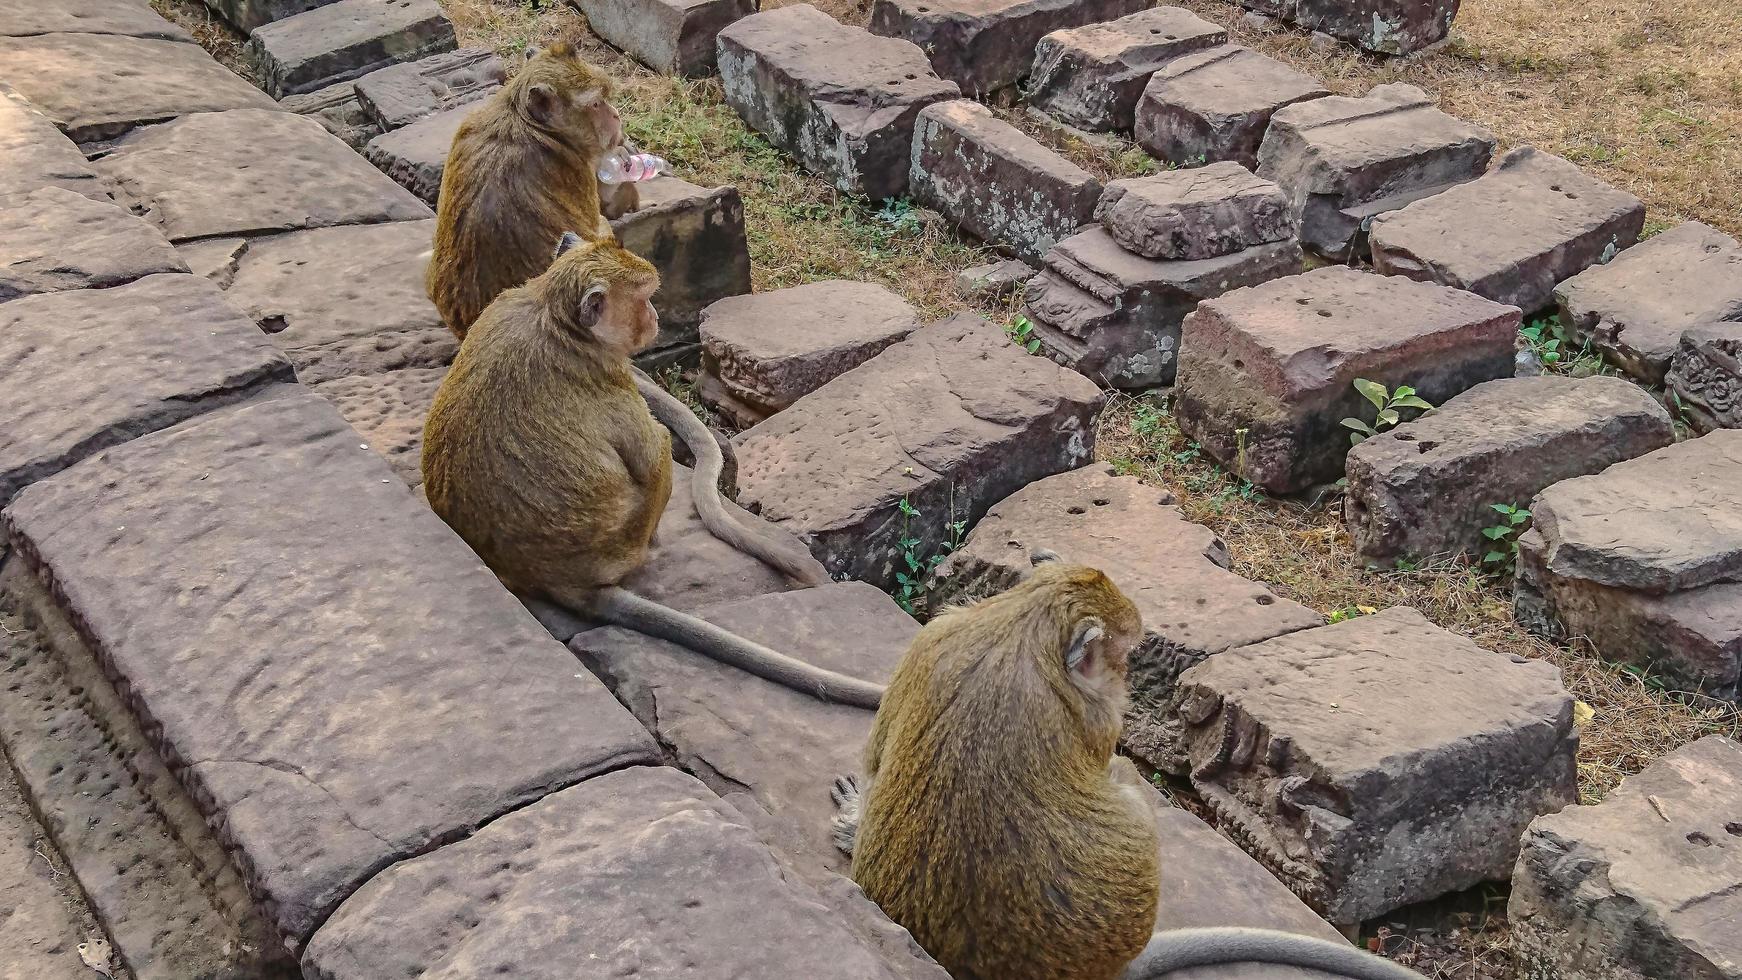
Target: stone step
x,y
840,100
46,921
1267,374
1396,27
246,15
1215,105
26,18
986,46
1705,376
1204,213
338,109
1092,76
1426,488
54,239
1532,222
1379,761
416,154
672,37
400,95
696,237
1344,160
38,155
345,40
321,755
948,422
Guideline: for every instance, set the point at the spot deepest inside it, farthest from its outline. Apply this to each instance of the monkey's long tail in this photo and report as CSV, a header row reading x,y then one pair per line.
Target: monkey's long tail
x,y
620,607
1177,949
794,562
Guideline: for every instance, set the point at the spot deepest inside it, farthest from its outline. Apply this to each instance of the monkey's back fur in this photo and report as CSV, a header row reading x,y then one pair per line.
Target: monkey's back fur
x,y
990,828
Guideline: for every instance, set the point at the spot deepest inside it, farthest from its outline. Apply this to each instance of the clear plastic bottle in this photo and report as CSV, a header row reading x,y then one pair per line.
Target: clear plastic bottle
x,y
624,167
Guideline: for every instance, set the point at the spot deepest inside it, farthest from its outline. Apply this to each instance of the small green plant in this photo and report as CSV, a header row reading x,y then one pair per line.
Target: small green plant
x,y
1021,333
911,579
1389,404
1351,612
1503,537
1542,337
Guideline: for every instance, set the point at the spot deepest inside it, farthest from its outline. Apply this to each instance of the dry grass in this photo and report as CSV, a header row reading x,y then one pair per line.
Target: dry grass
x,y
210,30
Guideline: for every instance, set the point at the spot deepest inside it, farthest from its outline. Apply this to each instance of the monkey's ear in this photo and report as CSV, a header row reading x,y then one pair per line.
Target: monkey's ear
x,y
592,307
532,51
1077,656
541,101
563,244
1041,556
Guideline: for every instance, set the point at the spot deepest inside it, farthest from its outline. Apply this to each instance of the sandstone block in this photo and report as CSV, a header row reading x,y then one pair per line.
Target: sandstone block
x,y
245,15
97,86
400,95
987,45
672,37
1385,26
995,181
1532,222
37,155
248,172
426,703
1379,761
388,411
950,420
337,108
415,154
30,18
43,930
1115,316
90,369
765,351
1645,884
1636,308
1092,76
841,100
1216,104
1343,161
1195,214
695,236
1424,488
994,280
1706,375
55,239
1267,374
341,41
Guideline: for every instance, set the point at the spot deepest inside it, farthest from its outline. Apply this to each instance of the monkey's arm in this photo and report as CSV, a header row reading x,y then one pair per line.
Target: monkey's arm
x,y
1172,950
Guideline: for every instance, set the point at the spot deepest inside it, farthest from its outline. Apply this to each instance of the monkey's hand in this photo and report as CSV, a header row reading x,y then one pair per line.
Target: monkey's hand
x,y
844,825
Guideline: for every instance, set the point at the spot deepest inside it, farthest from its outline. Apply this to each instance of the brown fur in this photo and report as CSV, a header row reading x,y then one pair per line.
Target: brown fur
x,y
994,824
522,170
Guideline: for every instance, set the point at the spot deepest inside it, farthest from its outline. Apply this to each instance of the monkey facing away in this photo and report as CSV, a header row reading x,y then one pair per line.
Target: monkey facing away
x,y
542,455
996,824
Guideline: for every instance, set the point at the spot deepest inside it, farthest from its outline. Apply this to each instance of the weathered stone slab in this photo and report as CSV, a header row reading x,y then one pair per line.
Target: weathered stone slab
x,y
951,420
426,703
1646,884
87,370
341,41
1706,376
1175,571
1636,308
1342,160
96,86
1115,316
1215,105
640,873
245,15
1379,761
672,37
337,108
250,172
400,95
1385,26
415,155
55,239
994,280
987,45
1267,374
42,931
37,155
1425,488
388,410
27,18
996,182
1195,214
765,351
1092,76
1532,222
841,100
696,238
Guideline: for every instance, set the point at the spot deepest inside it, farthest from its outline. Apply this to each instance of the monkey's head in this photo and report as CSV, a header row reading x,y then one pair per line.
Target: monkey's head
x,y
1097,625
602,293
559,93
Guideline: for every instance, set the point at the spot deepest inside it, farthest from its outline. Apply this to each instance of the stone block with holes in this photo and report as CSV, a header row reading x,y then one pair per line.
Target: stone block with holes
x,y
1706,376
1092,76
1267,374
986,46
1379,761
1215,105
344,40
672,37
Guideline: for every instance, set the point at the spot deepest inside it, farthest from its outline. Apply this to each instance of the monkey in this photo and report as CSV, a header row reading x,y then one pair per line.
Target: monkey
x,y
994,820
542,455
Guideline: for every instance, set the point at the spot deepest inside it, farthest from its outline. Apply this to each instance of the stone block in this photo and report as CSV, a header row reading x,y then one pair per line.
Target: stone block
x,y
1343,161
1424,488
30,18
1646,884
1636,308
98,86
1267,374
341,41
1706,376
1195,214
950,420
1115,316
672,37
37,155
765,351
250,172
1175,571
994,280
1216,104
415,155
425,704
642,873
388,411
246,15
1386,26
1379,761
1532,222
695,236
1092,76
90,369
337,108
987,45
841,100
55,239
996,182
400,95
43,930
